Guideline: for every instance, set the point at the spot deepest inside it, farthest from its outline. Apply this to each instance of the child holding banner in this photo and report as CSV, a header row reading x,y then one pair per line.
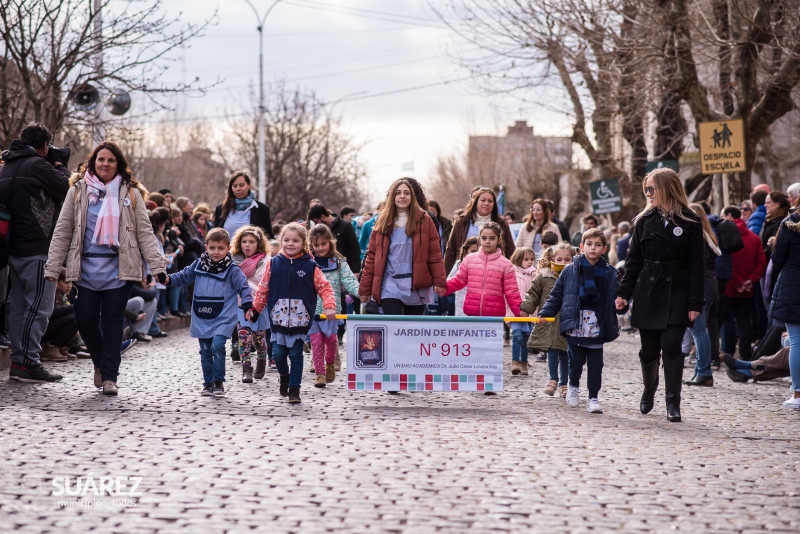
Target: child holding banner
x,y
546,336
489,278
323,334
524,261
289,287
585,295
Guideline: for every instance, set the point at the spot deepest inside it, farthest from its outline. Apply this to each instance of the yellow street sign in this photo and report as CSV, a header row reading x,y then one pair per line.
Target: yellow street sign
x,y
721,146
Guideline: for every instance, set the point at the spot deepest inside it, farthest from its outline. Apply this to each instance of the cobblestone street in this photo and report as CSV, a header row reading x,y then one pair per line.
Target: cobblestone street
x,y
423,462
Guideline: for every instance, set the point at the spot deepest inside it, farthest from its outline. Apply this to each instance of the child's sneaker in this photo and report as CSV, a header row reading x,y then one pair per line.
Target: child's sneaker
x,y
208,390
515,367
551,386
319,382
573,397
219,389
523,368
594,406
562,390
793,402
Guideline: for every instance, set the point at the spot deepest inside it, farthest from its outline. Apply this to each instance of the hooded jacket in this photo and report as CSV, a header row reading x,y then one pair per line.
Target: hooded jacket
x,y
756,220
785,306
565,298
545,336
491,282
136,237
34,190
748,263
214,303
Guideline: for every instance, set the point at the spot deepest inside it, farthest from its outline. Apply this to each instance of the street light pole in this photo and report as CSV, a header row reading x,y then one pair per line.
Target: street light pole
x,y
262,171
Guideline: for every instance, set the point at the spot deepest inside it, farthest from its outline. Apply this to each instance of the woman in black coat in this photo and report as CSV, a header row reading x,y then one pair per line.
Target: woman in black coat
x,y
785,306
241,207
665,278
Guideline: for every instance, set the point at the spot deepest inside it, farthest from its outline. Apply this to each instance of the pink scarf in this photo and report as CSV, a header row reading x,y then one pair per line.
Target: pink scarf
x,y
106,229
249,265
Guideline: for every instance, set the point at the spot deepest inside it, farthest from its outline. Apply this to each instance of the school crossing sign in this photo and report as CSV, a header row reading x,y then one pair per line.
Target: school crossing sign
x,y
721,146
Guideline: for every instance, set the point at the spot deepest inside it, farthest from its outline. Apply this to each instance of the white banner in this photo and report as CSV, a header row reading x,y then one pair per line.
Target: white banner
x,y
427,353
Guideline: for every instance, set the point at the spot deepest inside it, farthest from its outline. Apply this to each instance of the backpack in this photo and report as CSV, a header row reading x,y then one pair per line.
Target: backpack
x,y
730,240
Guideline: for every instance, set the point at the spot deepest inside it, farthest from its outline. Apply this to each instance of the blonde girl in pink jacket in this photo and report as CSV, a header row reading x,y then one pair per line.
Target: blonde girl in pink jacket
x,y
489,277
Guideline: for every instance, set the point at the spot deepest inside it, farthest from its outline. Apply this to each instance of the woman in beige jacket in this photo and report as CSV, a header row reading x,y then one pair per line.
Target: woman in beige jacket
x,y
537,223
102,232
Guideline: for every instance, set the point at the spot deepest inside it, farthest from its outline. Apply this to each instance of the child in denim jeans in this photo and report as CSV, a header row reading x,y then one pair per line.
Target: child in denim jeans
x,y
217,283
585,295
288,290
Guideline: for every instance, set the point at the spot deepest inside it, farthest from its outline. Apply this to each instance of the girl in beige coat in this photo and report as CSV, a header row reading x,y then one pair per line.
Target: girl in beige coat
x,y
102,232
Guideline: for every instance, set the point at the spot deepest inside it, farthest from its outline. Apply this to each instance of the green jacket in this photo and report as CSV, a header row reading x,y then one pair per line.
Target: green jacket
x,y
545,336
342,280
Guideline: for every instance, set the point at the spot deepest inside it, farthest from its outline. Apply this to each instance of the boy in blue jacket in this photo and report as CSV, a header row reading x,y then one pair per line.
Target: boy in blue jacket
x,y
217,282
585,294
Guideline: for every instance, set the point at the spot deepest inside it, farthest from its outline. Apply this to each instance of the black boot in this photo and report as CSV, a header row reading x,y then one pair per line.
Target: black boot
x,y
294,395
235,353
673,382
261,367
650,379
707,381
247,373
284,385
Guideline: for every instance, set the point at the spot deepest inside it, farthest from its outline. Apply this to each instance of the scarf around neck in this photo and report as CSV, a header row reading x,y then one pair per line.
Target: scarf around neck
x,y
482,219
217,267
249,265
106,229
244,203
588,291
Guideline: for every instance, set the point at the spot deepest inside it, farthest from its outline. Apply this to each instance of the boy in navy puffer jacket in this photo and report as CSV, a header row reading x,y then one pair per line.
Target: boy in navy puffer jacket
x,y
585,294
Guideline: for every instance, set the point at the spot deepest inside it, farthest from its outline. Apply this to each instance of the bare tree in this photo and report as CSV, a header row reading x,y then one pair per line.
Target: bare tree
x,y
48,47
308,153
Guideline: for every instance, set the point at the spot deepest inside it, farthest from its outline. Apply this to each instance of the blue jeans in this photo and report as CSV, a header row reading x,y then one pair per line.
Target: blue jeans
x,y
702,341
173,297
558,365
794,354
212,358
100,315
519,345
593,360
283,355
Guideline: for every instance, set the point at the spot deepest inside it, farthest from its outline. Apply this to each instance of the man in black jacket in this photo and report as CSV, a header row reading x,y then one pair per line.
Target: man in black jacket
x,y
346,240
32,189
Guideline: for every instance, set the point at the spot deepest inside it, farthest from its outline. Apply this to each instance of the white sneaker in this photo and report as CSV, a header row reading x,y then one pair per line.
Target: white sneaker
x,y
594,406
793,402
573,397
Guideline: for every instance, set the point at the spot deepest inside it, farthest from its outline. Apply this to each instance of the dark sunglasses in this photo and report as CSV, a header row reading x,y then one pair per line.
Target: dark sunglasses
x,y
649,191
745,209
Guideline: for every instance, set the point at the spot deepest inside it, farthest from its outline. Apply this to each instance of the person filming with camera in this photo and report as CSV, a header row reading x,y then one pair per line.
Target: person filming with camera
x,y
33,184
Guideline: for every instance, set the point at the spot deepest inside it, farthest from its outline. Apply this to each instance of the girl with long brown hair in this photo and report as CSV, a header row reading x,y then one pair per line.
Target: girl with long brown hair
x,y
403,264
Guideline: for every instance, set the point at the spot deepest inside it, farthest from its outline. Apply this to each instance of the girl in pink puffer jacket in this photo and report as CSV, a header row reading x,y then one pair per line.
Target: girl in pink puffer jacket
x,y
489,277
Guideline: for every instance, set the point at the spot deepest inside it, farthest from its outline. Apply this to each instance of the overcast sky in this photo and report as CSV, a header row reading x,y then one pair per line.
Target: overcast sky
x,y
350,49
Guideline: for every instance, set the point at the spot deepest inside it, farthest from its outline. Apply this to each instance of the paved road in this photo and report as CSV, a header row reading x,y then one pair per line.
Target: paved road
x,y
422,462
